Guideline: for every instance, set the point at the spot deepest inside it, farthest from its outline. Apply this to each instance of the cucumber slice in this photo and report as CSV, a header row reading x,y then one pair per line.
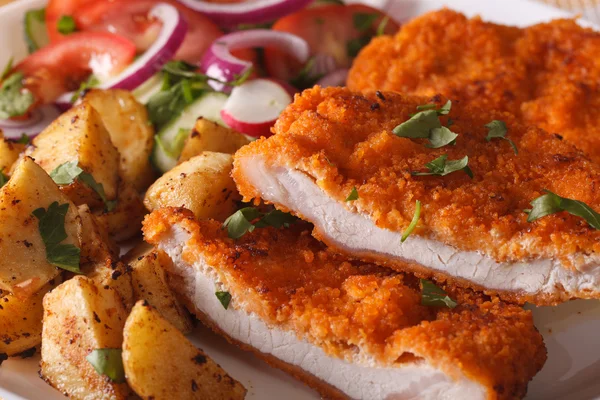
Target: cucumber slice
x,y
36,34
147,89
169,141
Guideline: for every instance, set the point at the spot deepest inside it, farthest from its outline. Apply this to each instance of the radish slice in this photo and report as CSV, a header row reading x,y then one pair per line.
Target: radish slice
x,y
172,34
40,118
249,11
253,107
220,64
335,78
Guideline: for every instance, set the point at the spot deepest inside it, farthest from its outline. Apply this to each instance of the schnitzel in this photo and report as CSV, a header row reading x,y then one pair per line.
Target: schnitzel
x,y
548,75
339,161
348,329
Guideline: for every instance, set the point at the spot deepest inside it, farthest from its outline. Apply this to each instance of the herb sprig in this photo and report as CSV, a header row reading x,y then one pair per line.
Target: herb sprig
x,y
241,222
413,224
433,296
498,129
442,166
551,203
15,99
425,124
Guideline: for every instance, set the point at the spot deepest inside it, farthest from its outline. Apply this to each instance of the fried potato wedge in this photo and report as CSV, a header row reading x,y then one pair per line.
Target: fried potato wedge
x,y
210,136
160,363
80,317
150,283
21,321
80,135
9,153
96,244
125,220
202,184
113,274
24,268
130,131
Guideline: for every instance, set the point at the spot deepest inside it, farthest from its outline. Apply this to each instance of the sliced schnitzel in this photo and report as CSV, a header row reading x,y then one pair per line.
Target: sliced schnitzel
x,y
334,161
348,329
548,75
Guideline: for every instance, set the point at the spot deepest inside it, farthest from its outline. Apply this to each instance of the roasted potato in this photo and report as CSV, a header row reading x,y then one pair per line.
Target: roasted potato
x,y
113,274
23,265
80,317
149,283
9,153
96,244
210,136
21,321
130,131
80,135
160,363
202,184
125,220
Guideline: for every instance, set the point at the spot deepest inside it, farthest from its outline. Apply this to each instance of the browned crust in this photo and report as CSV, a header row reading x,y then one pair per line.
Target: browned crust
x,y
290,281
338,139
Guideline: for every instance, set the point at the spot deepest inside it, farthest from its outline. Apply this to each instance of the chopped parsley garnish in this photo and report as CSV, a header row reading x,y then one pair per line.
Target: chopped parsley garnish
x,y
14,99
66,25
52,230
224,298
551,203
353,195
24,139
89,83
440,137
442,166
382,25
426,124
68,172
3,179
413,224
241,222
498,129
433,296
363,21
108,362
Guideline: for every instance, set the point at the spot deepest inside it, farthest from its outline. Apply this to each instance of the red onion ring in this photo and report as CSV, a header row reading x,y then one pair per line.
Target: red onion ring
x,y
220,64
40,118
170,38
250,11
335,78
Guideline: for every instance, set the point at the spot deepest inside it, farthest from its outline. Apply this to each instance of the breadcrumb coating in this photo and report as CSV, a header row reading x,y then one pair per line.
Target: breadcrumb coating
x,y
360,311
547,74
340,140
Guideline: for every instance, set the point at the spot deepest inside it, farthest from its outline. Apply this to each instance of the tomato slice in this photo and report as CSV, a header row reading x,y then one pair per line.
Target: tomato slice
x,y
55,9
129,18
334,30
62,66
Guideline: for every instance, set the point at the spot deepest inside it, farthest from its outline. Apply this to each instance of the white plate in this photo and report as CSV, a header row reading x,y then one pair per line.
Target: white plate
x,y
571,331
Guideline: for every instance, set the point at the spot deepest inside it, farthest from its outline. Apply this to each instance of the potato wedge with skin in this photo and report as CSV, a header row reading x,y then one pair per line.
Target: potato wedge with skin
x,y
130,131
125,220
113,274
80,135
80,317
202,184
96,243
210,136
23,265
9,153
160,363
150,283
21,321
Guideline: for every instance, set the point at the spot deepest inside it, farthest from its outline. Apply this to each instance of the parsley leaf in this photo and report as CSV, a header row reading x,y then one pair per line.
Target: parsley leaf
x,y
66,25
24,139
551,203
440,137
68,172
14,100
382,25
363,21
306,77
413,224
3,179
36,34
442,166
240,222
7,69
353,195
433,296
498,129
354,46
224,298
108,362
52,230
89,83
419,125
